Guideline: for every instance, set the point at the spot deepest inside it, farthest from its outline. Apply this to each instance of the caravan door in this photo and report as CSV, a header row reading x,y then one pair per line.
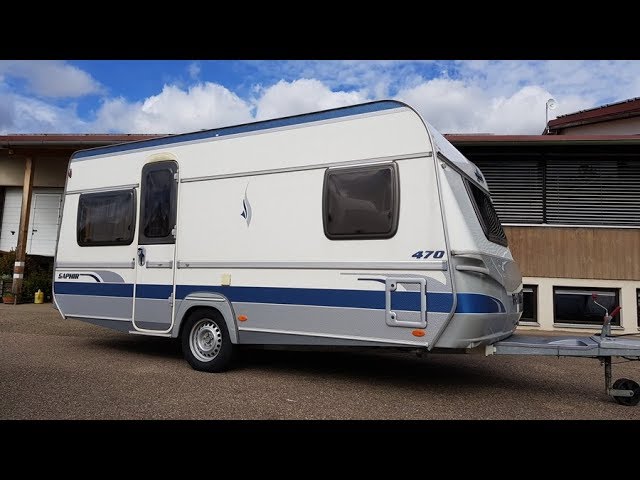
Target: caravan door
x,y
154,289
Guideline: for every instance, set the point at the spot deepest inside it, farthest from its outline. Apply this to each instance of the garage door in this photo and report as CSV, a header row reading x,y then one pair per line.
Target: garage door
x,y
45,211
10,219
43,222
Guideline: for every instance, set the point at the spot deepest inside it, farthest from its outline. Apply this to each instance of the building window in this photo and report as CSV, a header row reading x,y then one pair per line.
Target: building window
x,y
158,205
638,310
530,304
576,305
486,214
106,218
361,202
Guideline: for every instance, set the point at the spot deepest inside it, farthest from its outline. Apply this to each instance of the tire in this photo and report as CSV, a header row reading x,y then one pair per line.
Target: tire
x,y
206,344
626,384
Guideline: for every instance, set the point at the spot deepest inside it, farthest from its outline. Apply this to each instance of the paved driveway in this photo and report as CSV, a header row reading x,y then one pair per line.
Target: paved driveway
x,y
52,368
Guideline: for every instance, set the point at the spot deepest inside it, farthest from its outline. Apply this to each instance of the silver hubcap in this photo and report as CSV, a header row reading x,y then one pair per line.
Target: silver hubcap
x,y
205,340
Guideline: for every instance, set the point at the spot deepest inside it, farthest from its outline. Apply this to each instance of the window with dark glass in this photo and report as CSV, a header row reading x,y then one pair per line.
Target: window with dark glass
x,y
106,218
486,214
157,217
530,303
361,202
576,305
638,311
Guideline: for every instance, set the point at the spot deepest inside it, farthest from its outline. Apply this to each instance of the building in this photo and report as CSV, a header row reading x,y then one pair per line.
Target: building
x,y
569,201
621,118
570,207
39,163
33,169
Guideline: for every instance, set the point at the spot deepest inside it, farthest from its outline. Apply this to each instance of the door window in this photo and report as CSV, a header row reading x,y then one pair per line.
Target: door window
x,y
158,205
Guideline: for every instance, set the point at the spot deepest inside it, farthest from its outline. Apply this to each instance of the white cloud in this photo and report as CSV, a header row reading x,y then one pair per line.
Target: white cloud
x,y
194,70
597,81
375,77
455,106
20,114
203,105
7,112
494,96
301,96
51,78
457,97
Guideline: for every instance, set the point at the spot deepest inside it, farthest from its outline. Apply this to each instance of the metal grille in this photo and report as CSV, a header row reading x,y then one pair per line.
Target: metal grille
x,y
593,192
516,188
487,215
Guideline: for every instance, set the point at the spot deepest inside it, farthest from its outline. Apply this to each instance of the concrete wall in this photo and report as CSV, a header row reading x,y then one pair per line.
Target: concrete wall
x,y
624,126
49,171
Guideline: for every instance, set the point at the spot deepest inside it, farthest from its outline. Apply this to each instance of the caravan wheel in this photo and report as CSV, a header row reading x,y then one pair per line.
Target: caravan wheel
x,y
205,341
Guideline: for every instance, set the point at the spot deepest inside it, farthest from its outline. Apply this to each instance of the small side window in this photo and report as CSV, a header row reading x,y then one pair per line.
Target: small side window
x,y
361,202
487,215
530,304
106,218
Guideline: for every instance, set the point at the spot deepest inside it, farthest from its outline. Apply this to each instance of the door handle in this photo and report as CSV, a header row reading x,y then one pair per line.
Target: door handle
x,y
141,256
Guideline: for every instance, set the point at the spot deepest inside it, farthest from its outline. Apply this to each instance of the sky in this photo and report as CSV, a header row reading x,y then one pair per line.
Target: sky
x,y
154,96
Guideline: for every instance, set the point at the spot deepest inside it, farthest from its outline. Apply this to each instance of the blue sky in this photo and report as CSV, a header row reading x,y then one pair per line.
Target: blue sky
x,y
154,96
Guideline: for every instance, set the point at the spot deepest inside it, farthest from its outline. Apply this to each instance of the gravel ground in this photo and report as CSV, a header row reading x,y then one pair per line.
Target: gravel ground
x,y
52,368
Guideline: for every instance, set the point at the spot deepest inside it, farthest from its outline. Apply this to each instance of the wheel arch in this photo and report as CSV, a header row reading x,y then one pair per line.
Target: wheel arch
x,y
209,301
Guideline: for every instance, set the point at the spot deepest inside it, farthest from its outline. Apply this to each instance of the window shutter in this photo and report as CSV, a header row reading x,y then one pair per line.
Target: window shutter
x,y
593,192
516,188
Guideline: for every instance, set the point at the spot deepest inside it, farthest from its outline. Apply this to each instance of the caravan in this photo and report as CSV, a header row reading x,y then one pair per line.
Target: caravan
x,y
359,225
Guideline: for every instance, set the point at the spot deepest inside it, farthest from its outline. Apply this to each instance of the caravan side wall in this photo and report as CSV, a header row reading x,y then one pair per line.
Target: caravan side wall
x,y
291,282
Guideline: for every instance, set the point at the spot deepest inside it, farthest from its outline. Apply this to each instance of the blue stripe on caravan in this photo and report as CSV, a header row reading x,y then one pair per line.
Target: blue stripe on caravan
x,y
94,289
245,128
436,301
153,291
478,303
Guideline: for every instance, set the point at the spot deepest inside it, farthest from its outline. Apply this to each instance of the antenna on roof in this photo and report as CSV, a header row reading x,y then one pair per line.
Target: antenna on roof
x,y
551,105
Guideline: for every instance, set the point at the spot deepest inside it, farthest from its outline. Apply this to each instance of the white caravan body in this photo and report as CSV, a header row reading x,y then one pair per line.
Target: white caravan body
x,y
353,226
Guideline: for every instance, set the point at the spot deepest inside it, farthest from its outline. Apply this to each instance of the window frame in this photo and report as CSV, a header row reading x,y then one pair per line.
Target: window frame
x,y
638,308
395,199
616,323
534,292
151,167
133,212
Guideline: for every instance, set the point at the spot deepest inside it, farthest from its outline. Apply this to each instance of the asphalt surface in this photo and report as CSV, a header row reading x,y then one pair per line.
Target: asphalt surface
x,y
52,368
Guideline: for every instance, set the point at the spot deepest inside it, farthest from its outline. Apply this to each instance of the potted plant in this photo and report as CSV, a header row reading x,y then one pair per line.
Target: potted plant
x,y
8,297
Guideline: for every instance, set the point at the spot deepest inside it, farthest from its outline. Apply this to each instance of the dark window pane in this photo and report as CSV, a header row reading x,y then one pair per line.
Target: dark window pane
x,y
361,203
106,218
486,214
530,305
638,310
157,190
575,305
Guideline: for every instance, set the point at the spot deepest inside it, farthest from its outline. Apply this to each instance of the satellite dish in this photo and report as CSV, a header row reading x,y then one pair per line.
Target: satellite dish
x,y
551,104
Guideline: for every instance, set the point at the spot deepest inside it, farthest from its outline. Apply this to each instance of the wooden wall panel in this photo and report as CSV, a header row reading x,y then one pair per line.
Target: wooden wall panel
x,y
598,253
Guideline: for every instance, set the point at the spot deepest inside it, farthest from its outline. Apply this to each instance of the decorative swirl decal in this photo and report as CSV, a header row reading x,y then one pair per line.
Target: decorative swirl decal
x,y
246,207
